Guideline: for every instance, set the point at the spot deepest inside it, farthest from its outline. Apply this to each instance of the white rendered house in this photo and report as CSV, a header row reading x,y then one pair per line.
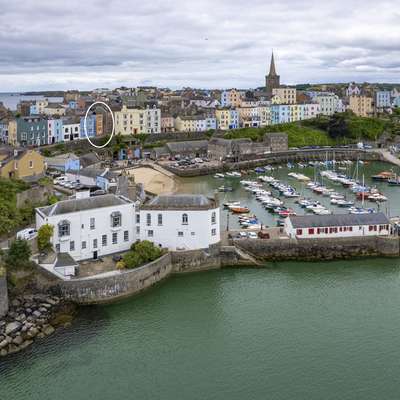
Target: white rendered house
x,y
90,227
180,222
337,226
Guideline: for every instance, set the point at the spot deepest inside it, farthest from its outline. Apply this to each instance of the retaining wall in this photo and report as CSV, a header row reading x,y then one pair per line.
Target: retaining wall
x,y
34,195
3,294
320,249
278,158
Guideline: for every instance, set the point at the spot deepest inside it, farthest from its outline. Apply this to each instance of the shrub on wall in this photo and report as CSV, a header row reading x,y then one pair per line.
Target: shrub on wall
x,y
141,253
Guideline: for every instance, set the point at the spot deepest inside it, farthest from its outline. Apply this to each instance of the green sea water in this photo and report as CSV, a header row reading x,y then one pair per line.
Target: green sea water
x,y
288,331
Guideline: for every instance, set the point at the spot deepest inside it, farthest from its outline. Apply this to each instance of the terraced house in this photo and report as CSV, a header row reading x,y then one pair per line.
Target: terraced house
x,y
21,164
132,121
32,131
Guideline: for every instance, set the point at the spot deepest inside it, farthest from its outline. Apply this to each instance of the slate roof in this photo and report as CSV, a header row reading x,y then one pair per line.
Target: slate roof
x,y
180,202
187,146
65,260
321,221
91,203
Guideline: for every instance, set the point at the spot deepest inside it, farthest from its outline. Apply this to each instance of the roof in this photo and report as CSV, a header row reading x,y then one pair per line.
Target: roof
x,y
320,221
65,260
90,203
187,146
89,159
180,202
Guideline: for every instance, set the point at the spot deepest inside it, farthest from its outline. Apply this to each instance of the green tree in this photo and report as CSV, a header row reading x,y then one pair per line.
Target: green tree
x,y
131,260
45,233
18,254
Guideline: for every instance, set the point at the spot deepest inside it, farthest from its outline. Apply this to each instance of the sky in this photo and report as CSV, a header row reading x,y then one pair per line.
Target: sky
x,y
86,44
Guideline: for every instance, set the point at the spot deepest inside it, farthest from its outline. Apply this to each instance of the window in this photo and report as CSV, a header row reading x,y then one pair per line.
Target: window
x,y
92,223
148,219
116,219
58,247
63,228
193,233
180,234
138,218
159,219
126,236
104,240
299,232
213,218
83,245
115,238
71,245
138,230
95,243
30,164
150,233
311,231
185,219
213,232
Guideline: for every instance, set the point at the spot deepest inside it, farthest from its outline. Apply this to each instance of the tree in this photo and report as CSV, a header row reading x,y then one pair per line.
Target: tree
x,y
18,254
45,233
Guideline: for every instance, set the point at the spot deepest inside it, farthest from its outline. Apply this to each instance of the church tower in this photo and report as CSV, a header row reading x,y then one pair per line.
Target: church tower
x,y
272,80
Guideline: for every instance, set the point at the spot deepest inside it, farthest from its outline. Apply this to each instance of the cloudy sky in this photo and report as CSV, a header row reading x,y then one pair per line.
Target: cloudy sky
x,y
84,44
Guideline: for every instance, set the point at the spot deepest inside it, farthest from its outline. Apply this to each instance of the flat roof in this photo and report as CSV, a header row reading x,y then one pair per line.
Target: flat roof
x,y
321,221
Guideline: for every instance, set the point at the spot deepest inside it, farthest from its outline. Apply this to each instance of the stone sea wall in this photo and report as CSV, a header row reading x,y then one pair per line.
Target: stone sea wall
x,y
3,293
319,249
113,287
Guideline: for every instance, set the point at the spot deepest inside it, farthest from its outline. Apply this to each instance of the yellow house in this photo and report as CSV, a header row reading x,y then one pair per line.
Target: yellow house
x,y
21,164
12,132
286,95
361,105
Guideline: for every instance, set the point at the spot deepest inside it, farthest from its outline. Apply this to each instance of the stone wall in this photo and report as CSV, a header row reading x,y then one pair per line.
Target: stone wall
x,y
319,249
124,284
35,195
129,282
278,158
3,293
196,260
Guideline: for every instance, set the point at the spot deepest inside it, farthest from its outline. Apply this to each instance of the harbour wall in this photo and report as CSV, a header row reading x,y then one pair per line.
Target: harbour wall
x,y
124,283
3,293
279,158
320,249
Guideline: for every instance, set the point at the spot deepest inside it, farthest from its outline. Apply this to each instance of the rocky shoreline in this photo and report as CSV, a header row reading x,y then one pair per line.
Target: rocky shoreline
x,y
32,317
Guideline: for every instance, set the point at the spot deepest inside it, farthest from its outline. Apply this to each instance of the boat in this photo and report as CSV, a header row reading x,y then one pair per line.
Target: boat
x,y
230,204
219,176
225,189
383,176
394,181
239,210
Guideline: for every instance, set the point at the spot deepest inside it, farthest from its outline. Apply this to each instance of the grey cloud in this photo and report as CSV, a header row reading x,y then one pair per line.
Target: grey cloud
x,y
206,43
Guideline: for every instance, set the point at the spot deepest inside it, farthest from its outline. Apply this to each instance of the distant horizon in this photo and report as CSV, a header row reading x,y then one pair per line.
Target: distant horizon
x,y
21,92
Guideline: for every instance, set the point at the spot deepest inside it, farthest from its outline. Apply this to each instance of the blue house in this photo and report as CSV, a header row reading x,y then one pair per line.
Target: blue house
x,y
382,99
55,131
63,162
90,126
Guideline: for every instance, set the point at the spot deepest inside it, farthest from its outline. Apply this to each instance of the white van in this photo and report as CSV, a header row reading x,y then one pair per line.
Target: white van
x,y
27,234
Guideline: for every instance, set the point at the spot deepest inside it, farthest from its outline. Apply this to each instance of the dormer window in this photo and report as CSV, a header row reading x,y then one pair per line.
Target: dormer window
x,y
116,219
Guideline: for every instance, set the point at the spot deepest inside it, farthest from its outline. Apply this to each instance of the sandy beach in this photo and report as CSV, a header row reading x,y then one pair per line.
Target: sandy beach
x,y
154,181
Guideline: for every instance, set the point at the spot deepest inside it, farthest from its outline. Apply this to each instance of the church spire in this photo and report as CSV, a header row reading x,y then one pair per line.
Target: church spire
x,y
272,71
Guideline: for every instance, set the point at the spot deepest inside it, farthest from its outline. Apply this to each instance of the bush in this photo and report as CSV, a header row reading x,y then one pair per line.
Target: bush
x,y
45,233
18,254
141,253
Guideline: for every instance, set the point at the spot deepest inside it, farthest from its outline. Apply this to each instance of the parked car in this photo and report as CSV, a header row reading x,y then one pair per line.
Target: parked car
x,y
252,235
60,179
27,234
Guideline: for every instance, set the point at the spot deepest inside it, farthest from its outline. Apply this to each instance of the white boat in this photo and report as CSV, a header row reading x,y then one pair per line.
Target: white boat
x,y
219,176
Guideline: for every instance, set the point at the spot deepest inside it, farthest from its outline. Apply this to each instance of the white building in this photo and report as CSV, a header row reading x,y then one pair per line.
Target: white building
x,y
90,227
337,226
180,222
70,131
329,103
132,121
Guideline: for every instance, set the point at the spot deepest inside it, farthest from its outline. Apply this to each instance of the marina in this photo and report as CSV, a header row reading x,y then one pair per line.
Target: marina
x,y
272,193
